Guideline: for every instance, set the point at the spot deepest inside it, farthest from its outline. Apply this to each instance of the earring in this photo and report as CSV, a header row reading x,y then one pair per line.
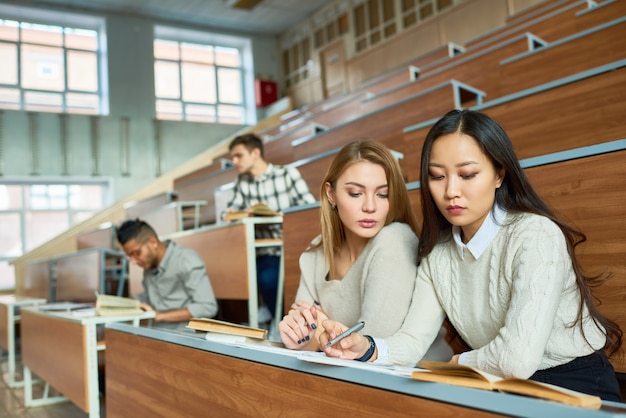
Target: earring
x,y
332,206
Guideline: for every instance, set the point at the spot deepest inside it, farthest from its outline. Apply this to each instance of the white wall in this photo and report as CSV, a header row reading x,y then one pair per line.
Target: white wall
x,y
131,95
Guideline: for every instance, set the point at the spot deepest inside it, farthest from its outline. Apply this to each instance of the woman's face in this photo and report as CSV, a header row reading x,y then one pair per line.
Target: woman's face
x,y
361,199
462,182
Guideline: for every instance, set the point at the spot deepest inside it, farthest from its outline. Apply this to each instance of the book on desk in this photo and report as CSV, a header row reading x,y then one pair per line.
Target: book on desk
x,y
459,375
223,327
259,209
109,305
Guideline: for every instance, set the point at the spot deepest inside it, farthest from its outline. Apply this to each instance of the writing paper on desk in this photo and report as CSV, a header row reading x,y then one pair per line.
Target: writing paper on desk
x,y
267,346
322,358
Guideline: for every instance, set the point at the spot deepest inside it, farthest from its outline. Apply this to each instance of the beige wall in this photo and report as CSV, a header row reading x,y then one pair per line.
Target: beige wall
x,y
459,25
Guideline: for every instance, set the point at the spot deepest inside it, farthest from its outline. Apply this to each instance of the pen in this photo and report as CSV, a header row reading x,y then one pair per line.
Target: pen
x,y
358,327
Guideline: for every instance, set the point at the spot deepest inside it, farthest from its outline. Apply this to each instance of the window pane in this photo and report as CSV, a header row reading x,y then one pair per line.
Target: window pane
x,y
197,53
198,83
230,114
81,39
82,71
42,67
88,104
166,50
9,30
166,79
227,57
7,275
10,197
42,34
168,109
10,98
8,58
10,235
199,113
46,102
86,197
43,226
230,86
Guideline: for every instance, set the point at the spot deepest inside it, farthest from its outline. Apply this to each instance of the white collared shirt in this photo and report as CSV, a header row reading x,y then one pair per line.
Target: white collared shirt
x,y
483,237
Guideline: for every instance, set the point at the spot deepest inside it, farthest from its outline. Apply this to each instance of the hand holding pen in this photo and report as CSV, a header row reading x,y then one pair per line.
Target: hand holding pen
x,y
350,347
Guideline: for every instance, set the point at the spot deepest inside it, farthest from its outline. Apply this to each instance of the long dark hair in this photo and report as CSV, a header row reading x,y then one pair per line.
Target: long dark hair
x,y
516,194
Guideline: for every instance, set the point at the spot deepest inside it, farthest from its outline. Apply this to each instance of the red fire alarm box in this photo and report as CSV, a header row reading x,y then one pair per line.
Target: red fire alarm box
x,y
266,92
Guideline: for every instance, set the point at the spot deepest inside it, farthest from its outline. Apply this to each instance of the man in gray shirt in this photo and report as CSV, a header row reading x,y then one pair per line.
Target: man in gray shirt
x,y
175,282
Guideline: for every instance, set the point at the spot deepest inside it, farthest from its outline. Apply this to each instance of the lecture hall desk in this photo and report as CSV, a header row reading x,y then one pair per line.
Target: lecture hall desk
x,y
157,373
9,318
62,349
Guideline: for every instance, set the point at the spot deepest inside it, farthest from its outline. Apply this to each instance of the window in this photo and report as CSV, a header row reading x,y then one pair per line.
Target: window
x,y
50,67
200,79
414,11
33,213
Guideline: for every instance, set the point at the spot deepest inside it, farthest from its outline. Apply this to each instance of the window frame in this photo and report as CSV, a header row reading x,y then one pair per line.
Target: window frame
x,y
241,44
65,20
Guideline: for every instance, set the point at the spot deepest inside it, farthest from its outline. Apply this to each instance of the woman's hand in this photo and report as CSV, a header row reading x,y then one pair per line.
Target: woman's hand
x,y
298,327
350,348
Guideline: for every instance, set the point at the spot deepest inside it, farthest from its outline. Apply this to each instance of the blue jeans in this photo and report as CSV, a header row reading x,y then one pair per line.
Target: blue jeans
x,y
267,279
592,374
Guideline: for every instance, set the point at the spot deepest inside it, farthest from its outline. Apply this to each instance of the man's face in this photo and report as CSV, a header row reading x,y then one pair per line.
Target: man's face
x,y
243,159
143,253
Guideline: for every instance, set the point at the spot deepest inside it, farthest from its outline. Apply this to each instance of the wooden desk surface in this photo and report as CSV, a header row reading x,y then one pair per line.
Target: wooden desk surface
x,y
54,347
204,378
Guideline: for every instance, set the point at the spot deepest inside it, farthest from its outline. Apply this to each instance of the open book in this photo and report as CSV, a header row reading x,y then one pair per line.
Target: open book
x,y
453,374
109,305
259,209
223,327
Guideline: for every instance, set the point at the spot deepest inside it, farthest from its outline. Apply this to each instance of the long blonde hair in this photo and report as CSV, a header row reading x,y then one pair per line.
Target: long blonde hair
x,y
400,210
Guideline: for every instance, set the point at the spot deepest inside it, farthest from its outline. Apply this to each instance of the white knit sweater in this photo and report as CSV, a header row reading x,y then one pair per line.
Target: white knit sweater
x,y
514,305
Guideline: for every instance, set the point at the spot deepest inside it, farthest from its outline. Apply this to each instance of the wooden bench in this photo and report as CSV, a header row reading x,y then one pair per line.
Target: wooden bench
x,y
585,50
37,279
577,111
101,237
138,208
78,276
201,184
385,125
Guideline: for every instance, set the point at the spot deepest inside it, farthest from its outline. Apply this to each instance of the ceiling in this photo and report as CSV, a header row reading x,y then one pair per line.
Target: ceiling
x,y
269,17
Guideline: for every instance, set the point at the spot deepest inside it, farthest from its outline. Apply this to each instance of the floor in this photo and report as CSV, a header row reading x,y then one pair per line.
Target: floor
x,y
12,400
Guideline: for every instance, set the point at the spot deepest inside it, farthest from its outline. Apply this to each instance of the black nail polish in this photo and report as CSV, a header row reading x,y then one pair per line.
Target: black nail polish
x,y
299,341
313,326
307,338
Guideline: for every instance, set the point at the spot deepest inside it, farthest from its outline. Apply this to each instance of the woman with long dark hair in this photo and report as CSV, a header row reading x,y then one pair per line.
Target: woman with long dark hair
x,y
500,265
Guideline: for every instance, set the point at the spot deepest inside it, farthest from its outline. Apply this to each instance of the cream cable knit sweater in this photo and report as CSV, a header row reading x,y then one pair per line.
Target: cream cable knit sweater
x,y
514,305
377,289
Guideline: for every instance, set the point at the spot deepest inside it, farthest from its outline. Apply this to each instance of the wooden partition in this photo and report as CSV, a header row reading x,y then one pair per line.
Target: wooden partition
x,y
138,208
479,69
598,46
201,185
299,229
405,72
385,125
569,113
102,237
37,279
78,276
224,254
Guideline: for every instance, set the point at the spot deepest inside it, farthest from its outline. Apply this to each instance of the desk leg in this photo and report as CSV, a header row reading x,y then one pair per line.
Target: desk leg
x,y
253,297
13,383
280,290
91,351
44,400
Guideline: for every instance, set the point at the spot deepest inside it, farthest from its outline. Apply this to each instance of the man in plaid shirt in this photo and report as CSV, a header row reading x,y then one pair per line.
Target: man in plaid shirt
x,y
279,187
